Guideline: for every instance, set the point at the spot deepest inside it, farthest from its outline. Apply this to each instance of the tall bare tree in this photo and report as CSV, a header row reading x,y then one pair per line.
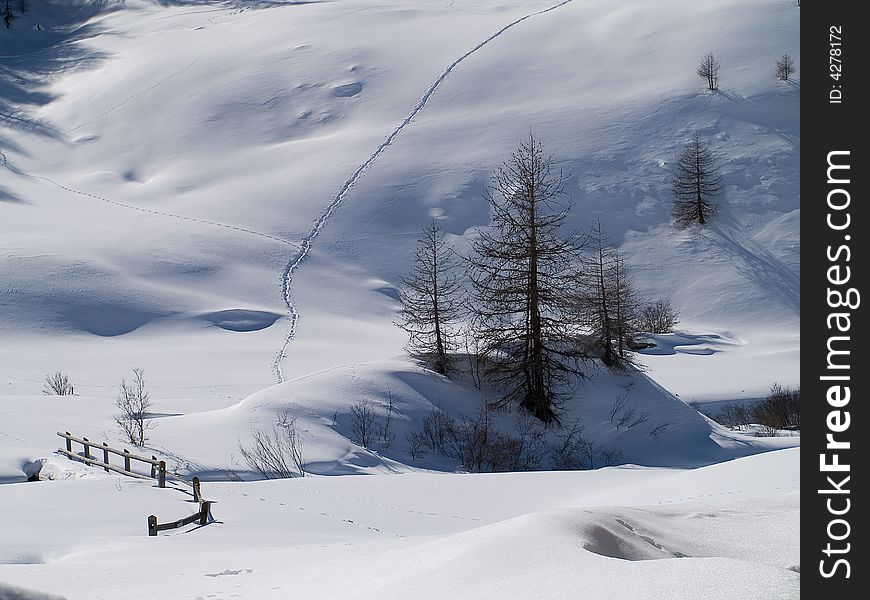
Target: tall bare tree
x,y
784,67
521,271
709,70
696,182
431,300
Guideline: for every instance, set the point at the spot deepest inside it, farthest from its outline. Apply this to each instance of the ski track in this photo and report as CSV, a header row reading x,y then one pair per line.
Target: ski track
x,y
144,210
305,245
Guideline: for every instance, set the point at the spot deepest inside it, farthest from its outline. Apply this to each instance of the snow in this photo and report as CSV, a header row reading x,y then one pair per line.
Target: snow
x,y
725,531
225,194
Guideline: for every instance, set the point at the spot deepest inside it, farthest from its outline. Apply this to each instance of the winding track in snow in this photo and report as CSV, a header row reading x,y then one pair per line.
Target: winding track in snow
x,y
305,245
144,210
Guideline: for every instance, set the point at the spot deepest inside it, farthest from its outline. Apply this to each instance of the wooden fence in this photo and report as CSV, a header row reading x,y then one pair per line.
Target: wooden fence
x,y
158,467
201,516
158,471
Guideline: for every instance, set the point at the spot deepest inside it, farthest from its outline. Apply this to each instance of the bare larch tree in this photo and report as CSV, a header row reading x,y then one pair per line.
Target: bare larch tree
x,y
606,301
695,184
784,67
521,272
594,297
626,307
709,70
431,300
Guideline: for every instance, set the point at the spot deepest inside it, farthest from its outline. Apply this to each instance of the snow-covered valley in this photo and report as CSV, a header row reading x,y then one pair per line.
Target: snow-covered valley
x,y
226,195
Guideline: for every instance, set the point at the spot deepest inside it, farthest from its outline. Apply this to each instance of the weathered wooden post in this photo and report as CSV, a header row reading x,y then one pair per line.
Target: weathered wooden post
x,y
204,511
162,482
197,493
126,460
153,466
106,456
68,442
87,448
152,525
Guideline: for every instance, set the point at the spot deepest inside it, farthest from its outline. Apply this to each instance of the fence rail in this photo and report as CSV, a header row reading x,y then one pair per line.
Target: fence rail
x,y
158,467
201,515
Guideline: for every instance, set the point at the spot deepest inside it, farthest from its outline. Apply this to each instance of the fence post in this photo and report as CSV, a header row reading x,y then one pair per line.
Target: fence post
x,y
153,466
162,482
68,442
106,456
197,493
87,448
204,511
152,525
127,460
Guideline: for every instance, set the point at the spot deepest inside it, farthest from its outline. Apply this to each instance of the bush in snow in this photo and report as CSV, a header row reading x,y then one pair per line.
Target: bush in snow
x,y
276,453
478,446
657,317
780,410
363,427
734,416
58,385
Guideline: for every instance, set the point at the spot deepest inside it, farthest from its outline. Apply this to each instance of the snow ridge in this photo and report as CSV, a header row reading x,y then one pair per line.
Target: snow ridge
x,y
305,245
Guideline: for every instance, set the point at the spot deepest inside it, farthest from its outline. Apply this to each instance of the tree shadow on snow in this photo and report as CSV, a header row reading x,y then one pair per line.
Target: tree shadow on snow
x,y
40,45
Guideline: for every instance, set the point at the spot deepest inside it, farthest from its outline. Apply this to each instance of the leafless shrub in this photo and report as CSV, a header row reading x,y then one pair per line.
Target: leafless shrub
x,y
476,362
780,410
58,385
363,426
609,456
438,431
734,416
386,437
134,402
478,446
481,448
276,453
657,317
416,445
572,452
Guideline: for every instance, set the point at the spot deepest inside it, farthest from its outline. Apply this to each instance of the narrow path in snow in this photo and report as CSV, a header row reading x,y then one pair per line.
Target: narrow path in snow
x,y
305,246
144,210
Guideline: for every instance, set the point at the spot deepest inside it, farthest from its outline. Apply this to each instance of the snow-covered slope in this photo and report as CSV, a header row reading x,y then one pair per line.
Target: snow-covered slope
x,y
164,163
226,193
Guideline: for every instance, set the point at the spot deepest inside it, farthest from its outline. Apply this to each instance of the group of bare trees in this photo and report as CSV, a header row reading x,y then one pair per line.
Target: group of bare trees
x,y
538,302
708,69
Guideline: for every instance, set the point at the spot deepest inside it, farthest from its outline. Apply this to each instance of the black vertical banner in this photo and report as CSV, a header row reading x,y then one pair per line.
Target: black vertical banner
x,y
834,369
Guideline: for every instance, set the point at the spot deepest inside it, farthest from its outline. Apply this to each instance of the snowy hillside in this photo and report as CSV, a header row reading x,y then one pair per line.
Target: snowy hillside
x,y
172,160
226,195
